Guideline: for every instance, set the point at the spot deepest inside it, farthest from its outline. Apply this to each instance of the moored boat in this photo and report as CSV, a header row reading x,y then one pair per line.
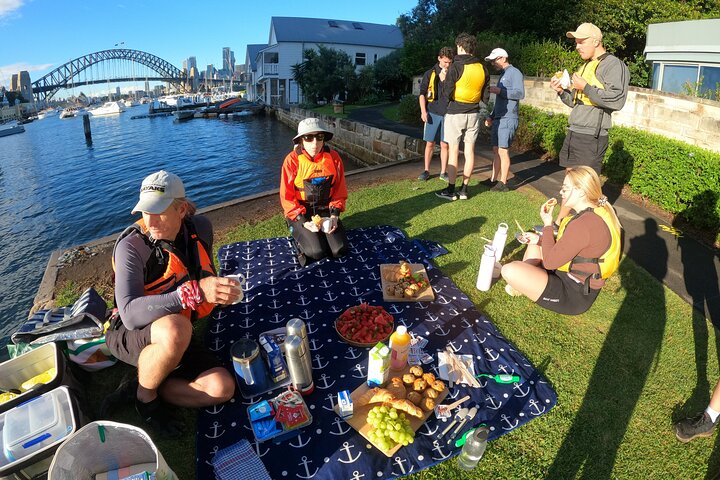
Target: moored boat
x,y
183,114
109,108
10,128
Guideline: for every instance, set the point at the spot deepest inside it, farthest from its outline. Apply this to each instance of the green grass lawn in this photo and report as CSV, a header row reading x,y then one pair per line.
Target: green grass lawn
x,y
638,360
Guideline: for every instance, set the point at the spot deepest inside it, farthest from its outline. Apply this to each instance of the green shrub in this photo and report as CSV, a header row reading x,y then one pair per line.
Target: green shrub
x,y
540,131
409,110
680,178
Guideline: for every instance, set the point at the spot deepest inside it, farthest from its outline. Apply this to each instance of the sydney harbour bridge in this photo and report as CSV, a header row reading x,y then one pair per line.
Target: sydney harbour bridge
x,y
115,66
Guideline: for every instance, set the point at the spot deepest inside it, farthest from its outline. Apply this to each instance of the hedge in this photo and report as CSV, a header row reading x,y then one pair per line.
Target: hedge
x,y
680,178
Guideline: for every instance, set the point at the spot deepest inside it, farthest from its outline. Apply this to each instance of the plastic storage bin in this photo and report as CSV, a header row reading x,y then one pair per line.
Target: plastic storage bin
x,y
33,430
20,369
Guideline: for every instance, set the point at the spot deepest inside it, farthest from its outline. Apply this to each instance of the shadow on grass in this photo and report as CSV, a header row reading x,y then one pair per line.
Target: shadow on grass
x,y
701,283
630,351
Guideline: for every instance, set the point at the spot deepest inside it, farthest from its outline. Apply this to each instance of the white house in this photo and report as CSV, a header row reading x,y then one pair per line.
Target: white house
x,y
684,55
271,78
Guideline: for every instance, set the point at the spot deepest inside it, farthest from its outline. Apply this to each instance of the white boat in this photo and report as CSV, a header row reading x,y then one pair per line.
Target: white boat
x,y
184,114
70,112
130,103
10,128
109,108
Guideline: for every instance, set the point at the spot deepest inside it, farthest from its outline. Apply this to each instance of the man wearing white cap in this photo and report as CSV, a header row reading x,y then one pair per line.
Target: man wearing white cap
x,y
504,118
164,280
597,89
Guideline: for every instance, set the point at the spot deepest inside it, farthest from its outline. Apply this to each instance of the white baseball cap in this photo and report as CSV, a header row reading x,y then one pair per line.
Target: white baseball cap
x,y
158,191
496,53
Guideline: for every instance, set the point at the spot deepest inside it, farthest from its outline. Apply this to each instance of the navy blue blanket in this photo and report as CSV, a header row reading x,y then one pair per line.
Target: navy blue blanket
x,y
278,289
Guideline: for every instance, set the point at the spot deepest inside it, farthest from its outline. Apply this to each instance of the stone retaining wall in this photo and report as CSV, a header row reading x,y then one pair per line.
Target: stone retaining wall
x,y
692,120
369,145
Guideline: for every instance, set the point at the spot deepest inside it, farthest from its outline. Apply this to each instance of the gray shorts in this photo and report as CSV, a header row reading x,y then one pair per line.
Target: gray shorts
x,y
462,126
434,130
503,132
583,149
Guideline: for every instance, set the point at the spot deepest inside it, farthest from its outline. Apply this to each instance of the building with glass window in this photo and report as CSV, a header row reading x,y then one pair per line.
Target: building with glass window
x,y
685,57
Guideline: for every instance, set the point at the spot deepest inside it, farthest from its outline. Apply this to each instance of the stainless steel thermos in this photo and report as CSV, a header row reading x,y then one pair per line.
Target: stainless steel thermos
x,y
297,357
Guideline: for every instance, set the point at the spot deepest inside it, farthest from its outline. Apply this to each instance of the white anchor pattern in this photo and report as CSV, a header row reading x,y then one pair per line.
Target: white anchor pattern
x,y
328,448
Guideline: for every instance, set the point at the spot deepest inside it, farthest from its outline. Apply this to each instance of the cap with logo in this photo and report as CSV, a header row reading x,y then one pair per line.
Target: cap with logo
x,y
158,191
496,53
586,30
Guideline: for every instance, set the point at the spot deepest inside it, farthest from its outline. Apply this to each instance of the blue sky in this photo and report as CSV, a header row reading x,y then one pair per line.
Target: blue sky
x,y
40,35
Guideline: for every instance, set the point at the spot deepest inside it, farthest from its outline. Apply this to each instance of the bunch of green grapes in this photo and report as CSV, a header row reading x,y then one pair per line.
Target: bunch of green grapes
x,y
390,428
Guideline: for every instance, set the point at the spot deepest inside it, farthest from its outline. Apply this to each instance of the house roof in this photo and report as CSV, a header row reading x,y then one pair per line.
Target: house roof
x,y
327,31
252,51
688,41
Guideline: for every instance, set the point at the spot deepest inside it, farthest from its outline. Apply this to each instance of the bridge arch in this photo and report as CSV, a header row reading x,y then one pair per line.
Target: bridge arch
x,y
61,77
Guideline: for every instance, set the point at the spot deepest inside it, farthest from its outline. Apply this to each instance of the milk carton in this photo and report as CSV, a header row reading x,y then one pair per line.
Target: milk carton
x,y
378,365
345,405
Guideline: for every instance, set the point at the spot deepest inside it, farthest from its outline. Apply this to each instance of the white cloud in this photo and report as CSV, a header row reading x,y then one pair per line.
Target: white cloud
x,y
9,6
7,71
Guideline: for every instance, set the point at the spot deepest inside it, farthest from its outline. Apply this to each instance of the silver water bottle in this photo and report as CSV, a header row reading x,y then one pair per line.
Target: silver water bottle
x,y
296,356
297,327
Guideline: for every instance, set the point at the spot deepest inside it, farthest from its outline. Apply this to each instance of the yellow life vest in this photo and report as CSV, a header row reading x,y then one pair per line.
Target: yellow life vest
x,y
587,71
608,262
468,87
431,87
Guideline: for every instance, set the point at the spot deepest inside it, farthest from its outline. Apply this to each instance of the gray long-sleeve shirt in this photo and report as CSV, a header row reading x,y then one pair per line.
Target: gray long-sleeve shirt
x,y
615,77
131,256
512,90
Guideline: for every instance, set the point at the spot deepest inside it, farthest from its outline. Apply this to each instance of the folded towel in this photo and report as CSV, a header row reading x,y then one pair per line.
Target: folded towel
x,y
239,461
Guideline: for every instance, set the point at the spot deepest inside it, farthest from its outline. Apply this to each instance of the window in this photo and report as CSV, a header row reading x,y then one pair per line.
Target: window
x,y
675,76
357,26
271,57
375,58
359,59
333,24
710,86
657,67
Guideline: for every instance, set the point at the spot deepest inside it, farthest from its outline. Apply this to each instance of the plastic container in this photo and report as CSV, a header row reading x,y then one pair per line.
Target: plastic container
x,y
399,347
16,371
269,422
473,450
32,431
487,265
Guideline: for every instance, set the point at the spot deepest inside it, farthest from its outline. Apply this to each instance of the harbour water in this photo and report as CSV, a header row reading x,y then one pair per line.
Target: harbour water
x,y
56,192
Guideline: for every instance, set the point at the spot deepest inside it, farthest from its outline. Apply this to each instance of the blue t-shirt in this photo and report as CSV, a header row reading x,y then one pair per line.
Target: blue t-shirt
x,y
512,91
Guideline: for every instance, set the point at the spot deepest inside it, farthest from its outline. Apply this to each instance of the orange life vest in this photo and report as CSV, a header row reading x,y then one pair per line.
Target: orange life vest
x,y
315,179
158,280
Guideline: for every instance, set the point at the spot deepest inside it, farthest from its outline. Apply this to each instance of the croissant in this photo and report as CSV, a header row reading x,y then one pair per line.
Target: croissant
x,y
375,395
407,407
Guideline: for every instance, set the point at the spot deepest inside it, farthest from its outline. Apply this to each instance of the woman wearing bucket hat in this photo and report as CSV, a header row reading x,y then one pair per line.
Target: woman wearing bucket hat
x,y
313,193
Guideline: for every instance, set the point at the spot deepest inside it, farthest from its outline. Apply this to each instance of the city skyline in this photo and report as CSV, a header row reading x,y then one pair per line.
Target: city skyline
x,y
173,31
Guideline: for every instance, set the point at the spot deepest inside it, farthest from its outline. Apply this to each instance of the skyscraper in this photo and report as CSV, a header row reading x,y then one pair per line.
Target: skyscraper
x,y
226,56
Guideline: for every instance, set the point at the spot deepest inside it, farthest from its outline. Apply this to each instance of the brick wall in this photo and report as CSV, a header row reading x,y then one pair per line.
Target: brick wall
x,y
369,145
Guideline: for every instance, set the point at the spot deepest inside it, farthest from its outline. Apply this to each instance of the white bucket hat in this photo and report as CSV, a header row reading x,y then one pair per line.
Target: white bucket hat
x,y
158,191
312,125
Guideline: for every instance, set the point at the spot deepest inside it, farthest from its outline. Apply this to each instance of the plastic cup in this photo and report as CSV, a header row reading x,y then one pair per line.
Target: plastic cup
x,y
326,225
241,279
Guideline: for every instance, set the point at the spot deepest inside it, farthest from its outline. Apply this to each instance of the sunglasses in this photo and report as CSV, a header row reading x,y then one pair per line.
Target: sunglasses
x,y
317,136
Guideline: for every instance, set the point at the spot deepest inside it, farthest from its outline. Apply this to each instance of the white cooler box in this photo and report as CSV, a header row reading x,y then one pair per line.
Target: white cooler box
x,y
32,431
16,371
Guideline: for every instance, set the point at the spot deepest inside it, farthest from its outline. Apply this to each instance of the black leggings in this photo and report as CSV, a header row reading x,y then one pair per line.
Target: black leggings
x,y
318,245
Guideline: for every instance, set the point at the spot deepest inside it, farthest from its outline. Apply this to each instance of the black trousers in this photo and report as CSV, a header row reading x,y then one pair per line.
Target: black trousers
x,y
318,245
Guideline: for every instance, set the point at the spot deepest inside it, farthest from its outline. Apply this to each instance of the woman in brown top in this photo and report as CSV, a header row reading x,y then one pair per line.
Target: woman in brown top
x,y
566,275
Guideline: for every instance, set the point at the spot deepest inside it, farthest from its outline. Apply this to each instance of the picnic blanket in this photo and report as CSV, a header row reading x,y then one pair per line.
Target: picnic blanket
x,y
278,289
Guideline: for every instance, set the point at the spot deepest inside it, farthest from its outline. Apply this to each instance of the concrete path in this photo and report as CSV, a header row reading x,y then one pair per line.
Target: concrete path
x,y
687,267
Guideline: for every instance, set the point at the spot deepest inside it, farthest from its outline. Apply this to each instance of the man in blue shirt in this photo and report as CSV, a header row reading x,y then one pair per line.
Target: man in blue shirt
x,y
509,91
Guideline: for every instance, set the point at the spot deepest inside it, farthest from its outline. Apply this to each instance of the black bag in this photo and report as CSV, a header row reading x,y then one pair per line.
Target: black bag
x,y
83,320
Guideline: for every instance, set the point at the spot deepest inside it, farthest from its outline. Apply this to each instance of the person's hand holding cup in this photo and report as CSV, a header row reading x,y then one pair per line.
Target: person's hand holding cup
x,y
237,287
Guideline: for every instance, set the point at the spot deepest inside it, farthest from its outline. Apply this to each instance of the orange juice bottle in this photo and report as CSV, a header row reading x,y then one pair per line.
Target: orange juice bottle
x,y
399,347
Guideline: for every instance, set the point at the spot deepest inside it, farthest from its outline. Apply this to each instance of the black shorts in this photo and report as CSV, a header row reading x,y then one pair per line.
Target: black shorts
x,y
126,345
582,149
564,295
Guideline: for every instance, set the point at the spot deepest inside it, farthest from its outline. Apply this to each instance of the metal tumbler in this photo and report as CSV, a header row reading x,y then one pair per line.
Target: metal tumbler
x,y
297,327
295,356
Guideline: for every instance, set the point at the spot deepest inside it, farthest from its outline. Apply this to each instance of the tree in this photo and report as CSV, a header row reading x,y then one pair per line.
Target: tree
x,y
390,77
324,74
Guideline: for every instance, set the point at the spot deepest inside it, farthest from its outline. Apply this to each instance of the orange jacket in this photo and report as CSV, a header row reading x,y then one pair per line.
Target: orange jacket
x,y
308,185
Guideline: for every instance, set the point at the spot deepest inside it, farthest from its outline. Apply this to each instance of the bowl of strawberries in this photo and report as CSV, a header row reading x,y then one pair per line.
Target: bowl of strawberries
x,y
364,325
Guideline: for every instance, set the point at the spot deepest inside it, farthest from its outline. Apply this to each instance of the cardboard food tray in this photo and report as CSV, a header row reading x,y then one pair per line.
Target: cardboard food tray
x,y
358,420
426,295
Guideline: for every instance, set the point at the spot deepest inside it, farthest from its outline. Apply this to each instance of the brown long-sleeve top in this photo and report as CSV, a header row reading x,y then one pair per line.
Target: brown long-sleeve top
x,y
587,236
